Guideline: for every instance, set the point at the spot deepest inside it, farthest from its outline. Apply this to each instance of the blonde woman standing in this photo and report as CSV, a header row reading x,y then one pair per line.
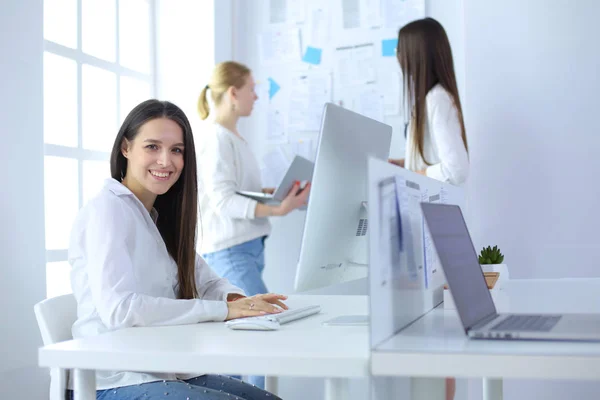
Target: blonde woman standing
x,y
234,227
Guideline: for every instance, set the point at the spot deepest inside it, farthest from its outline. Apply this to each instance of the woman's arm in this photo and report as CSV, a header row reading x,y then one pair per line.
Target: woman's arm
x,y
446,132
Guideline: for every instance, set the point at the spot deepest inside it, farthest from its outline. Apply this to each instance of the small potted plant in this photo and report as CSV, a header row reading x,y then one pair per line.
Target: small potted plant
x,y
491,259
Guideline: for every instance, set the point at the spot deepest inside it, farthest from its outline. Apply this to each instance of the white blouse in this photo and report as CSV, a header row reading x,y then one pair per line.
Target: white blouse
x,y
123,276
443,146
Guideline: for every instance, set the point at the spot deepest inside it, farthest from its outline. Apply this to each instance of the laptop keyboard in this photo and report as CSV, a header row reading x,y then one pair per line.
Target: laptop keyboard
x,y
531,323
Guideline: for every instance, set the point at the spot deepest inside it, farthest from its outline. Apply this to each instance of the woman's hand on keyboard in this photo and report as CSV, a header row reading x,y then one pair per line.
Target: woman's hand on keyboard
x,y
254,306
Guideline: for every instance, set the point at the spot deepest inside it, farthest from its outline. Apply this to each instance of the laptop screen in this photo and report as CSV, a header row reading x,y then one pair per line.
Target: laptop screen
x,y
458,258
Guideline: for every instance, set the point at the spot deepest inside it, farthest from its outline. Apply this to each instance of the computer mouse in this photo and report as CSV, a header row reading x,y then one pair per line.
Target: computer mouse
x,y
250,324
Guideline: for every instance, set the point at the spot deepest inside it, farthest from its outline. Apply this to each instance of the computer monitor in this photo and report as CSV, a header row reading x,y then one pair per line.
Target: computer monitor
x,y
334,242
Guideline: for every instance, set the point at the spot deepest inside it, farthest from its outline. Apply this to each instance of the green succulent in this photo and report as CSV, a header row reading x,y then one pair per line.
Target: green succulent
x,y
491,255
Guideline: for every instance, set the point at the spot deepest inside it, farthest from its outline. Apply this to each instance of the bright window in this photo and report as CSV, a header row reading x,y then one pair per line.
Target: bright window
x,y
97,67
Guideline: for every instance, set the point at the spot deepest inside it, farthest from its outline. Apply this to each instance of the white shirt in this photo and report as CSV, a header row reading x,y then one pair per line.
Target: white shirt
x,y
123,276
226,165
443,146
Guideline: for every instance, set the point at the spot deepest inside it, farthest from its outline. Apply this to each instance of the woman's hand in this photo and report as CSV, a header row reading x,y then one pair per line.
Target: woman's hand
x,y
254,306
268,190
294,199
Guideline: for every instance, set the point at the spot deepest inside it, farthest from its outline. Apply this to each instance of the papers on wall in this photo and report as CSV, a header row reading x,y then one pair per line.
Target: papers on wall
x,y
282,11
351,14
398,13
391,90
370,102
304,148
275,164
279,46
277,11
309,93
319,26
354,64
371,13
276,125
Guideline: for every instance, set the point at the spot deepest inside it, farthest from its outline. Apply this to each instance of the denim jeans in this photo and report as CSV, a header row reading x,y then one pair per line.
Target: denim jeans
x,y
205,387
242,265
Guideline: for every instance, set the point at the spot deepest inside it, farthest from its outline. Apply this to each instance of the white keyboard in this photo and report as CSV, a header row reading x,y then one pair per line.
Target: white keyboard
x,y
272,321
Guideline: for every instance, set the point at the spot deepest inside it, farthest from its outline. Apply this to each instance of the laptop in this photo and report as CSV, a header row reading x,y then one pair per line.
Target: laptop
x,y
300,170
472,298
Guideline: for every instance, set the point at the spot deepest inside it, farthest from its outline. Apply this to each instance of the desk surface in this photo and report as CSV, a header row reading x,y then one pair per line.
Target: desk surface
x,y
436,345
301,348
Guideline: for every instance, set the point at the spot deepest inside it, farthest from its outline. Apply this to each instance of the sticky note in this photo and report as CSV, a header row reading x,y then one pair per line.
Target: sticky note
x,y
273,88
312,55
388,47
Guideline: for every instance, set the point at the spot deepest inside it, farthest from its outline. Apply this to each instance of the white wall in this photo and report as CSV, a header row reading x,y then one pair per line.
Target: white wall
x,y
531,114
185,53
22,251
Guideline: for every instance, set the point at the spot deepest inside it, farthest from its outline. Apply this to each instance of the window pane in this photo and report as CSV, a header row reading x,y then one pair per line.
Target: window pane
x,y
58,278
61,191
133,92
60,22
99,28
60,100
134,32
99,108
94,175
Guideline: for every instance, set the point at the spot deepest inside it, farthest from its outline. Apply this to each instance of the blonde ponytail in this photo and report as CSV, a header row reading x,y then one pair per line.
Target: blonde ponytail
x,y
203,108
225,75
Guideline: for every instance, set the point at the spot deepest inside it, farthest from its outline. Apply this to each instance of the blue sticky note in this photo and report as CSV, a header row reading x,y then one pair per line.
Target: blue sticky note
x,y
388,47
273,88
312,55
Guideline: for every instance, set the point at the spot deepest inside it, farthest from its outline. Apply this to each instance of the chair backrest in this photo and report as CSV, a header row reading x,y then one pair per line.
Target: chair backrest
x,y
55,317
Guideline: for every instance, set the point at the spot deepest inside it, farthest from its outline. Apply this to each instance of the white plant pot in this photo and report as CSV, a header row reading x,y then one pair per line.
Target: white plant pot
x,y
501,268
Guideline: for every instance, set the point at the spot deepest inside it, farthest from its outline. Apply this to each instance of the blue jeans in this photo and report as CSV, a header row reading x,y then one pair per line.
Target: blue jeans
x,y
205,387
242,265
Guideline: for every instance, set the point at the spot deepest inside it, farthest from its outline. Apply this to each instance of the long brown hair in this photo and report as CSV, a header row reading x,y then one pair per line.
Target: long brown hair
x,y
224,76
425,58
177,208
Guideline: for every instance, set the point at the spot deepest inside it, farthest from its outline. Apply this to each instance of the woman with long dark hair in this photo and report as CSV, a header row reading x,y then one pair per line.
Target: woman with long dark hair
x,y
134,262
436,139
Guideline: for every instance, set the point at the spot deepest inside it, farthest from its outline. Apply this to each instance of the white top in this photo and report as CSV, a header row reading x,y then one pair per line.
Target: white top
x,y
443,146
123,276
226,165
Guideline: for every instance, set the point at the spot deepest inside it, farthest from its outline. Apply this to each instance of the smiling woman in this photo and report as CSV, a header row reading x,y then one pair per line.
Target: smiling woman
x,y
134,261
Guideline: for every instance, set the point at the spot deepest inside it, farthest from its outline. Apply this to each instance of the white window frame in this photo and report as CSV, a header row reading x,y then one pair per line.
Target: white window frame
x,y
79,153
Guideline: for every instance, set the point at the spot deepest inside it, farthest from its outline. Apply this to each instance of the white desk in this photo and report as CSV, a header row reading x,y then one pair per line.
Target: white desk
x,y
435,346
303,348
